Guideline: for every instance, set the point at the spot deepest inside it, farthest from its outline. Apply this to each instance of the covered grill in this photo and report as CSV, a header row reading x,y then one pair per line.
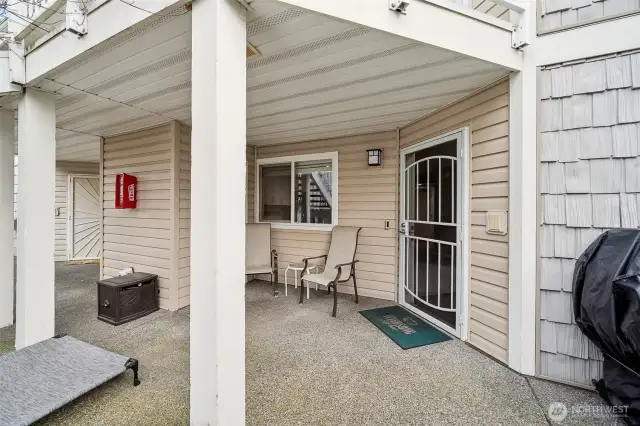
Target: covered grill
x,y
606,284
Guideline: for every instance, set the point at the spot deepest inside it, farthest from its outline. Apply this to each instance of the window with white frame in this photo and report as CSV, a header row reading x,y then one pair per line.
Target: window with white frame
x,y
299,191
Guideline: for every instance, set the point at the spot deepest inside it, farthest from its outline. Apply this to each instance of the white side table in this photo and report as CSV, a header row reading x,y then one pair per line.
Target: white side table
x,y
298,267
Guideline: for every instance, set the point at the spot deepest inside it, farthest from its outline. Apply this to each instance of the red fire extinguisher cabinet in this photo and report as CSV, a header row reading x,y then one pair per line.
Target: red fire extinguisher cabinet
x,y
126,189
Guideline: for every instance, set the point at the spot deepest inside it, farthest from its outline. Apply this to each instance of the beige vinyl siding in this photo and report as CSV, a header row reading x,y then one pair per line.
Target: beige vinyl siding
x,y
486,114
367,198
251,183
140,238
63,170
184,209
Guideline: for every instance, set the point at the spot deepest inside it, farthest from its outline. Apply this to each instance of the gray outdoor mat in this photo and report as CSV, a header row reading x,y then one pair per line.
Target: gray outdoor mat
x,y
43,377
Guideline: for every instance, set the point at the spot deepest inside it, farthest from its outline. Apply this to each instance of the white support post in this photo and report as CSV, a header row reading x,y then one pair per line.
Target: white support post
x,y
35,299
218,185
523,211
6,217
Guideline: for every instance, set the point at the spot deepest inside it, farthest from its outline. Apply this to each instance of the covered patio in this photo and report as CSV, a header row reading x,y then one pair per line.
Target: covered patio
x,y
301,368
195,118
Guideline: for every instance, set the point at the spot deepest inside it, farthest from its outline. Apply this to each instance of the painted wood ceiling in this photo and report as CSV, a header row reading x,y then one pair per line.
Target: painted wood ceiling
x,y
314,77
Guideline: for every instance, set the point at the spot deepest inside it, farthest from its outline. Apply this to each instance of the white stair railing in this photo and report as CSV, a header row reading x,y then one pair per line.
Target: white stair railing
x,y
322,186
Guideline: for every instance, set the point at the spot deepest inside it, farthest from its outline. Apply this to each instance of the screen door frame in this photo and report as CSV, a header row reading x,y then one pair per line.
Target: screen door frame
x,y
462,264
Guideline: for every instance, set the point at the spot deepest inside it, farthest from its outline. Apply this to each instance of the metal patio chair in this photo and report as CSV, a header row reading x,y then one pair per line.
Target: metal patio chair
x,y
259,257
340,263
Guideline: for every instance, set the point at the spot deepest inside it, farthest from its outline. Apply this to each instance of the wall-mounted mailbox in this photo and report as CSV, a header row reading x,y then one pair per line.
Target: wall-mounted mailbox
x,y
126,187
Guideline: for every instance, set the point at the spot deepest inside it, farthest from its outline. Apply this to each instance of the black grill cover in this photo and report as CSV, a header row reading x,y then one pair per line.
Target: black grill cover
x,y
606,286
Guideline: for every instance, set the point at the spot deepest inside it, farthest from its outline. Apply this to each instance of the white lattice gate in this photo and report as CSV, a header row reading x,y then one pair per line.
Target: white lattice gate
x,y
83,223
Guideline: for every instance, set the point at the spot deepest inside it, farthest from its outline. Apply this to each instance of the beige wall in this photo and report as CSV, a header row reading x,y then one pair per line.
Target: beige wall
x,y
142,238
184,209
367,198
147,237
63,170
486,115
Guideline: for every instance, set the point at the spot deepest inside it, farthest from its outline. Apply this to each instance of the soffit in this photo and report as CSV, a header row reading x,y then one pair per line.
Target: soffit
x,y
314,77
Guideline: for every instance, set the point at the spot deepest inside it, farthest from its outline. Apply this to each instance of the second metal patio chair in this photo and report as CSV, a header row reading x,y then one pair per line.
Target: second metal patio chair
x,y
340,263
259,258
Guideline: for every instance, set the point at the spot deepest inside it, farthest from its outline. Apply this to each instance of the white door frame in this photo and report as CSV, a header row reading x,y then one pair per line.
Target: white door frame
x,y
70,218
462,252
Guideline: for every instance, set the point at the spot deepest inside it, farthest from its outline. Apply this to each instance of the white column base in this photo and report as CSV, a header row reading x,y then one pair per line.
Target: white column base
x,y
218,188
6,217
35,291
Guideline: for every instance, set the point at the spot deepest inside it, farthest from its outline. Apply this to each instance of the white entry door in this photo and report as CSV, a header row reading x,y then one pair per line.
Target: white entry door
x,y
83,209
430,230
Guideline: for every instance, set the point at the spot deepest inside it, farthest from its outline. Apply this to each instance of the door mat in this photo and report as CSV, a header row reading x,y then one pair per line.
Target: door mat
x,y
406,329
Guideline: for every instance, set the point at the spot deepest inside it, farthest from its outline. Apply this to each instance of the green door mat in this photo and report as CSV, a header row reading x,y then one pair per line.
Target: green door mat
x,y
403,327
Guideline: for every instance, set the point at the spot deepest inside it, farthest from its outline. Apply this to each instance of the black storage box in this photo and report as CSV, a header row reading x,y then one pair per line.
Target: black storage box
x,y
123,299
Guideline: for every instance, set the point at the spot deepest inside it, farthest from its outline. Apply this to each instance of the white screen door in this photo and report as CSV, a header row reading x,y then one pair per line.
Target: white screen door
x,y
430,231
83,209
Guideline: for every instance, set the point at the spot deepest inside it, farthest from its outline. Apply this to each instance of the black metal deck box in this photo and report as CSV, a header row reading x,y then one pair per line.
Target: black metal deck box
x,y
128,297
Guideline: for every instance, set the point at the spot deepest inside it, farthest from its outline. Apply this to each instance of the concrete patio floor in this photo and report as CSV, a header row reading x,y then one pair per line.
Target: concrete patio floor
x,y
302,368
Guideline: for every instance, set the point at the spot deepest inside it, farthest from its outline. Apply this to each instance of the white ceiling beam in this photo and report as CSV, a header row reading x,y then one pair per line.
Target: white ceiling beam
x,y
449,27
106,22
603,37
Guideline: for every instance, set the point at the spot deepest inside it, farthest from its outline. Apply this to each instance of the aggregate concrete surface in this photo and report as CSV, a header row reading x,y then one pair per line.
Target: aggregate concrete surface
x,y
302,368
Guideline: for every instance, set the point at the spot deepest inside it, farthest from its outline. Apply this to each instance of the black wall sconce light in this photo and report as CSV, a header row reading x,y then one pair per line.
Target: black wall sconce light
x,y
374,157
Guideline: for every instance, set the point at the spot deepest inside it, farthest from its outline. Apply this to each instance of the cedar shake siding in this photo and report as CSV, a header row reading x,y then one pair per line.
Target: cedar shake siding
x,y
560,14
589,182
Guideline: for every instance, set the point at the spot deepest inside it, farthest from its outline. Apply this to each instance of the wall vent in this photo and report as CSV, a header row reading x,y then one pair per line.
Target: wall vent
x,y
496,222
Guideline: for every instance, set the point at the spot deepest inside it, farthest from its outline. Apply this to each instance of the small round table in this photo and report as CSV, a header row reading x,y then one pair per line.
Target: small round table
x,y
297,267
